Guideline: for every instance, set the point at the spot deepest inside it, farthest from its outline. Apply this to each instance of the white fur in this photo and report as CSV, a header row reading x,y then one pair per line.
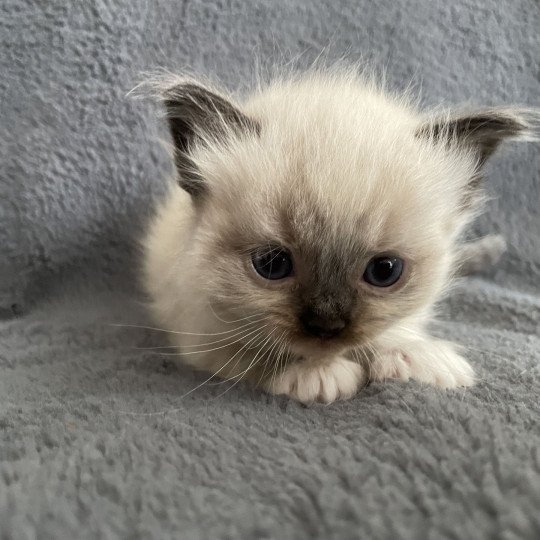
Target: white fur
x,y
325,381
342,143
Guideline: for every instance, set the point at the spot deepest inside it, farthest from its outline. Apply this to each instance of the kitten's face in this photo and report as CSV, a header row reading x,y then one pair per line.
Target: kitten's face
x,y
325,209
327,259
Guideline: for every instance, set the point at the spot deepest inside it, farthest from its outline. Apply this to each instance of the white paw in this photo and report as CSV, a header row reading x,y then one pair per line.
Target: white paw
x,y
433,362
338,378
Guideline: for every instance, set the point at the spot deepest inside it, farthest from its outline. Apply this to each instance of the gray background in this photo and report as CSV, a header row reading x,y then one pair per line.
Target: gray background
x,y
80,169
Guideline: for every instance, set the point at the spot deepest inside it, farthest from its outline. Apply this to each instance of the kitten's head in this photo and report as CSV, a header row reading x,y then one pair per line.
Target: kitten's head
x,y
324,205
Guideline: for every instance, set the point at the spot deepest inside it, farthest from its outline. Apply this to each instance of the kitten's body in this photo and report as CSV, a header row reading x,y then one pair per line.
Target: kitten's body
x,y
335,172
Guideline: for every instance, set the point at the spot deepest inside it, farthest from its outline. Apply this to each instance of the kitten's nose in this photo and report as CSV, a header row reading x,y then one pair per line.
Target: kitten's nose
x,y
322,327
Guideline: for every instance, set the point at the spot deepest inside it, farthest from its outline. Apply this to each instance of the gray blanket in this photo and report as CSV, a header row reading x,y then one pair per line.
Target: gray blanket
x,y
95,441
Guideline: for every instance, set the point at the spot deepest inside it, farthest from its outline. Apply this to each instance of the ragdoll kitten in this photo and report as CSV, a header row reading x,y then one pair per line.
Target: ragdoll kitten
x,y
312,228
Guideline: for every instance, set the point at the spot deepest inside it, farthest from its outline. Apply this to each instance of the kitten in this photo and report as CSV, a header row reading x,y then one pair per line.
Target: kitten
x,y
312,228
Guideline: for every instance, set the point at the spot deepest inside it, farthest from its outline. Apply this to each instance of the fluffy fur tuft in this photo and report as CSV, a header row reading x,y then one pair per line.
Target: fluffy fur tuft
x,y
334,171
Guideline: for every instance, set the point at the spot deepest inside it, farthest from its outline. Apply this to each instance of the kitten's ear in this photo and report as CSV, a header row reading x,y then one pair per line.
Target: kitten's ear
x,y
480,131
198,115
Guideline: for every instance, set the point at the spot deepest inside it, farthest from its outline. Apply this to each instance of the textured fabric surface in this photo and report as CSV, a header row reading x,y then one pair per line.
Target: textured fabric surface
x,y
95,441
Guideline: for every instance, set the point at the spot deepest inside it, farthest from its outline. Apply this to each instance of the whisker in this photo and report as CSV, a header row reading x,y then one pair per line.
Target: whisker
x,y
182,353
228,379
177,409
242,357
229,322
231,378
286,356
274,365
253,361
369,364
243,348
373,367
269,355
363,363
277,365
201,344
181,333
356,355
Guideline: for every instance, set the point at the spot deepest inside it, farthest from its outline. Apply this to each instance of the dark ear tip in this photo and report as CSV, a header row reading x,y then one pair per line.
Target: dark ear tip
x,y
482,130
508,122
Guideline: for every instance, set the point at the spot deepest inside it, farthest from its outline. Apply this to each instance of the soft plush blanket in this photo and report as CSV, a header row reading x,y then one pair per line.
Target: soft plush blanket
x,y
95,441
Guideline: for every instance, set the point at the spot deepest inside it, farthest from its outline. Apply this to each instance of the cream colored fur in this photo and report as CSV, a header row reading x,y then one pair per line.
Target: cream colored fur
x,y
331,144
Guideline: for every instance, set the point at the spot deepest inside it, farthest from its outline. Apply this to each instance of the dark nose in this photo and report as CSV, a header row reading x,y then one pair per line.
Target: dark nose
x,y
322,327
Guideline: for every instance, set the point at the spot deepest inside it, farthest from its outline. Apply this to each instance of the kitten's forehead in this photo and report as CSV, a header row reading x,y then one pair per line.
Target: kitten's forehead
x,y
334,181
316,230
328,213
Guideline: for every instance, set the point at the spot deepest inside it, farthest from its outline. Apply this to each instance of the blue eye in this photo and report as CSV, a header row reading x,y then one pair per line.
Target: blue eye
x,y
383,271
274,263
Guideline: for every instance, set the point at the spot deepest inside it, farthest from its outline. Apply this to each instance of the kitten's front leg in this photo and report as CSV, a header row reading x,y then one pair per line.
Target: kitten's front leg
x,y
424,358
324,381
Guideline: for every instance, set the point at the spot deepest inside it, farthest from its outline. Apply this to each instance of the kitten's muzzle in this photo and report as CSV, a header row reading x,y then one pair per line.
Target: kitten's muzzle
x,y
320,326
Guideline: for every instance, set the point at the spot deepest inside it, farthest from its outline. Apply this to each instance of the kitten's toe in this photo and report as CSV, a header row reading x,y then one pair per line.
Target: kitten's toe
x,y
455,372
393,364
430,362
445,368
339,378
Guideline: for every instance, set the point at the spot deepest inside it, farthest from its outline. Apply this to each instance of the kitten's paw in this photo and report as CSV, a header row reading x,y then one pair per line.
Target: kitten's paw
x,y
339,378
433,362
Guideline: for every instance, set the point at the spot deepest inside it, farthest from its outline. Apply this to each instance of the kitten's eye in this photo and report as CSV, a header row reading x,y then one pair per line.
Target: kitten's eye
x,y
383,271
272,263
